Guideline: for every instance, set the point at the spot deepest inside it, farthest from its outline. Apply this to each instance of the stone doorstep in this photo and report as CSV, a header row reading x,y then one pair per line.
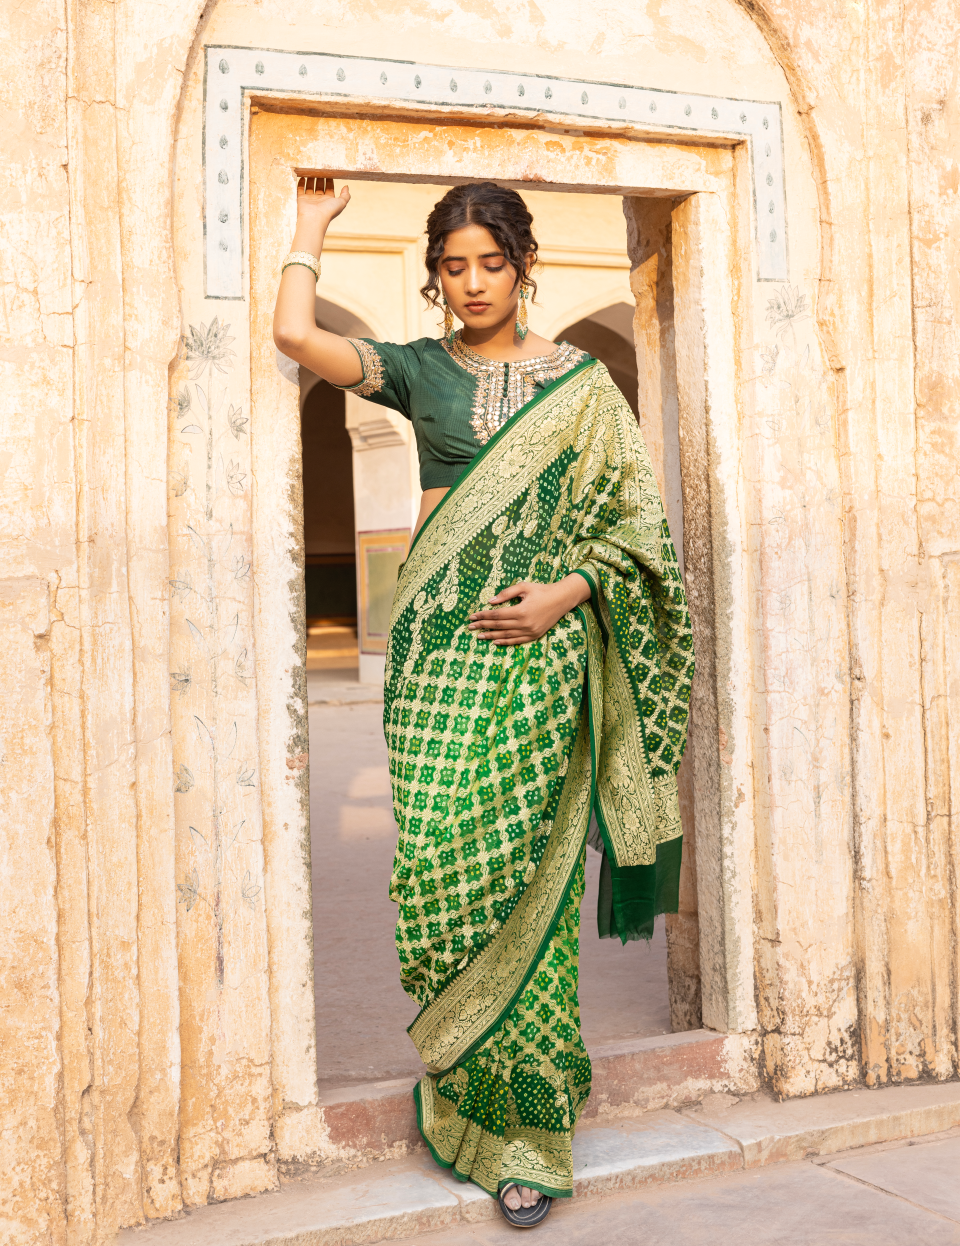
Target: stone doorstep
x,y
666,1070
371,1118
768,1132
401,1198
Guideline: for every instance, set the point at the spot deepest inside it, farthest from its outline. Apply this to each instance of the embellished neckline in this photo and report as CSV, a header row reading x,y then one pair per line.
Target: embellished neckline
x,y
503,386
531,361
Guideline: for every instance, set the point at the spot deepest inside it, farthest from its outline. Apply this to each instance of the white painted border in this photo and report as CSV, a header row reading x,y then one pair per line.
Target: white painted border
x,y
229,72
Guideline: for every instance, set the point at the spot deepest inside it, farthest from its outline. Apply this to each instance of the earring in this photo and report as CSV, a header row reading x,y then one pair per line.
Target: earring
x,y
522,329
448,331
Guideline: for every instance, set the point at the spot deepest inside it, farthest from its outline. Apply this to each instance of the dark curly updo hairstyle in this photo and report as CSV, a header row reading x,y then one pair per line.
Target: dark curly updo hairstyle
x,y
500,211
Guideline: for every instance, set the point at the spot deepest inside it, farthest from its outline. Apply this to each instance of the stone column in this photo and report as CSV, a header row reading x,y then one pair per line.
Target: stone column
x,y
650,247
714,543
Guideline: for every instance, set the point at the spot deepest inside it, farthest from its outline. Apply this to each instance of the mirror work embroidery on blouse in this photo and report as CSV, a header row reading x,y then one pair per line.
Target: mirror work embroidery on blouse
x,y
503,388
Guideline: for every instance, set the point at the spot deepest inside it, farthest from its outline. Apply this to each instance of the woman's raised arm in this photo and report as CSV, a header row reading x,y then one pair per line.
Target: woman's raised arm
x,y
294,318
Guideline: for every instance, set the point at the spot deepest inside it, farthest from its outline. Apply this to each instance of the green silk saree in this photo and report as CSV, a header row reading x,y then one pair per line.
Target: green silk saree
x,y
498,757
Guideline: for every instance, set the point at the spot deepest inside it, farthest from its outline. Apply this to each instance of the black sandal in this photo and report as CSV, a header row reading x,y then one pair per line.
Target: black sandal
x,y
524,1217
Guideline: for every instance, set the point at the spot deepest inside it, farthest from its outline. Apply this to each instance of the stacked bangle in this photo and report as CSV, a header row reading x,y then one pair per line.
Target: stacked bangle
x,y
304,258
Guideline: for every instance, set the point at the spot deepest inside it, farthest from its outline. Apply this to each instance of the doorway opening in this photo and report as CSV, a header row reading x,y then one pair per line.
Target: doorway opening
x,y
373,259
329,517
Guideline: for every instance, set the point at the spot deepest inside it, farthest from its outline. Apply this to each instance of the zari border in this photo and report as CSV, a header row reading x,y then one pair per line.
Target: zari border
x,y
424,1099
474,1004
436,543
372,380
623,764
529,1174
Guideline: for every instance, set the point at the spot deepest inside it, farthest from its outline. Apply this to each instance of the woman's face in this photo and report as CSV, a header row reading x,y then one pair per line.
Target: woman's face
x,y
480,286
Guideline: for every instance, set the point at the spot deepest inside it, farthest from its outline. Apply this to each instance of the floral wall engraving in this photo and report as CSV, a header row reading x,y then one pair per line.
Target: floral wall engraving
x,y
211,589
220,914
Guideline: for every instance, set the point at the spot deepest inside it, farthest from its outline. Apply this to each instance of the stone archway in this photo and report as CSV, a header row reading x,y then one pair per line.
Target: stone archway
x,y
607,334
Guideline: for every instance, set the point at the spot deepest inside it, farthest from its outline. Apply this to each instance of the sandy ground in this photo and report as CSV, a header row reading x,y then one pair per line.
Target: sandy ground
x,y
362,1012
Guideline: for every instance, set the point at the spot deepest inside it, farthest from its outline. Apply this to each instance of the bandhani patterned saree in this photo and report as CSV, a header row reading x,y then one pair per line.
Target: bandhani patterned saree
x,y
498,756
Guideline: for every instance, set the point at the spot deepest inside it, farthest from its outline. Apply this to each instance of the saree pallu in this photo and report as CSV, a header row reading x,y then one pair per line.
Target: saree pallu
x,y
498,757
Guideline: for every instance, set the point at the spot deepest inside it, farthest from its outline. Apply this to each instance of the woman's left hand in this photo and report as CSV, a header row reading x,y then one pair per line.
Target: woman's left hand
x,y
541,606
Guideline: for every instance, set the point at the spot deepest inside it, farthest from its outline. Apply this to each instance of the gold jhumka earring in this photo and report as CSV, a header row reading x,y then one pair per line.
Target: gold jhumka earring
x,y
448,330
522,327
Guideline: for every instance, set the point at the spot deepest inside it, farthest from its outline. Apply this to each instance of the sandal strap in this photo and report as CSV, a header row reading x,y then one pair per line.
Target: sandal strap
x,y
524,1217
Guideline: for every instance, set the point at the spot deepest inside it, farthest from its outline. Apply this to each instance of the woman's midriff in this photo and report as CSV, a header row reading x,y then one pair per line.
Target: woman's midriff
x,y
428,503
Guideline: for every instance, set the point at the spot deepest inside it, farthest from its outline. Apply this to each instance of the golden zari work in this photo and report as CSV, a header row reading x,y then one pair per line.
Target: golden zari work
x,y
499,755
503,388
372,381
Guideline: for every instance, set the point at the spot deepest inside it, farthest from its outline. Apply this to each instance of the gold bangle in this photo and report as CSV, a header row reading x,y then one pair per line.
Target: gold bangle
x,y
304,258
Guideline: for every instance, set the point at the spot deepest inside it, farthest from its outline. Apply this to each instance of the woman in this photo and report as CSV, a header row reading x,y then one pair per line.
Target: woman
x,y
538,670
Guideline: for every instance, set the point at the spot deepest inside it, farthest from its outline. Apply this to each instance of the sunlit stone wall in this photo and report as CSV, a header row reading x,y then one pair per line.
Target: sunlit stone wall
x,y
800,397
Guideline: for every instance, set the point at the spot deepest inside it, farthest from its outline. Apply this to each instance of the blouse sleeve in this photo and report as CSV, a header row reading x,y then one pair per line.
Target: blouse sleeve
x,y
389,371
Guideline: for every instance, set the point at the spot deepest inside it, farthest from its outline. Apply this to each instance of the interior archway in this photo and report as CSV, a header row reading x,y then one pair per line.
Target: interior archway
x,y
607,334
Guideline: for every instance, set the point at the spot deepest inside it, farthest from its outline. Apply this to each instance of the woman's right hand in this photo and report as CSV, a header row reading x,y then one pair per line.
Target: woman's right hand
x,y
317,201
295,328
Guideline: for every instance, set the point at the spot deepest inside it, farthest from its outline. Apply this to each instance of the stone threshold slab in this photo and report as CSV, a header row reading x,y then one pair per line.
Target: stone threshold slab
x,y
644,1074
924,1171
770,1132
402,1198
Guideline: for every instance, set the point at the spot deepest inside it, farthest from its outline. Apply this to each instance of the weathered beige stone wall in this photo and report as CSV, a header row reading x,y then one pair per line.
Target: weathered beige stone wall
x,y
878,100
90,324
157,1031
36,514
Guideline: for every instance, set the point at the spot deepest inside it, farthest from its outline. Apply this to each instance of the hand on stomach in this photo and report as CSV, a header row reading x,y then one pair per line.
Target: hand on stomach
x,y
539,607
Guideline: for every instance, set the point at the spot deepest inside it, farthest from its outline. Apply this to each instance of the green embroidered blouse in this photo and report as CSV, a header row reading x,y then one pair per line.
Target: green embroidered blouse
x,y
455,397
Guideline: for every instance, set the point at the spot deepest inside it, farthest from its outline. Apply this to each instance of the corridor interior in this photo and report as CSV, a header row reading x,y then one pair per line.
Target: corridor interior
x,y
584,298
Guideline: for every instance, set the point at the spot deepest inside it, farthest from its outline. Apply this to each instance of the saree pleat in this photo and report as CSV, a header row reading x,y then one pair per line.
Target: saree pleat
x,y
498,756
508,1111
